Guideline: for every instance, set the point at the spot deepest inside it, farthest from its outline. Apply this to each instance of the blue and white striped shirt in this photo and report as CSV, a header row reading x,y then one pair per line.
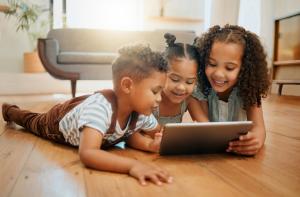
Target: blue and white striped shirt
x,y
96,112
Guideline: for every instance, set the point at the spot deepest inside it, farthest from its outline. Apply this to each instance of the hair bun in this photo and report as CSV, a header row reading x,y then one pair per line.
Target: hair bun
x,y
170,39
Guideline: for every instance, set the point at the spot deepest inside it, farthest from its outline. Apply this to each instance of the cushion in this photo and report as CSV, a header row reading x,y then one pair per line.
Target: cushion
x,y
86,58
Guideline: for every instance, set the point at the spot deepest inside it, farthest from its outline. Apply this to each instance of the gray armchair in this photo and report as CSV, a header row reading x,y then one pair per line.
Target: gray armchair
x,y
87,54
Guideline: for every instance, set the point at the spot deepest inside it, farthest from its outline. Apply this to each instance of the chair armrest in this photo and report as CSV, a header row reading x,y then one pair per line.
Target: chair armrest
x,y
52,50
48,50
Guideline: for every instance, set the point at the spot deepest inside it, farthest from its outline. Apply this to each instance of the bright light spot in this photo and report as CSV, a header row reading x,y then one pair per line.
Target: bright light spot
x,y
105,14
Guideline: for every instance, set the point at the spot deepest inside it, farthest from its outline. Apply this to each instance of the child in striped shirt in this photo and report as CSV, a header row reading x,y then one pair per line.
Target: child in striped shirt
x,y
98,121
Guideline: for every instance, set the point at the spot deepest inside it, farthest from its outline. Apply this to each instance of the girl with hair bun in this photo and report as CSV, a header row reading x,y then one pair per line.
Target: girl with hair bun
x,y
181,79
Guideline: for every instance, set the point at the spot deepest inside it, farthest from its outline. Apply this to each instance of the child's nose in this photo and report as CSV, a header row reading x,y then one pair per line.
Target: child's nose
x,y
181,86
158,98
219,73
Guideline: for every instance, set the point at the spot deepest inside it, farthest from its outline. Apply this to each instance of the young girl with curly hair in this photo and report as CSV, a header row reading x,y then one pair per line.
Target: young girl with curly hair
x,y
181,80
233,79
96,122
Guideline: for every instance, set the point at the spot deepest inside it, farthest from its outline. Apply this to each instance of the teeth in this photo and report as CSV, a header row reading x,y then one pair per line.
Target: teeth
x,y
219,82
177,94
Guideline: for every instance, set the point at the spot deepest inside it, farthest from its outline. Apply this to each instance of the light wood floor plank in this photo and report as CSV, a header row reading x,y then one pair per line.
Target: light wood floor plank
x,y
52,170
282,115
15,147
190,179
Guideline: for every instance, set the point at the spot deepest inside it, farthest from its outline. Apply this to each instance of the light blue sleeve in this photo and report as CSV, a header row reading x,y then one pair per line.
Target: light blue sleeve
x,y
146,123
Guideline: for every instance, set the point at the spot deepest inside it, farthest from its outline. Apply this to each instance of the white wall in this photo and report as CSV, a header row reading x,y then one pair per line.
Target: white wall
x,y
187,9
267,28
224,12
285,8
258,17
249,15
13,44
105,14
175,8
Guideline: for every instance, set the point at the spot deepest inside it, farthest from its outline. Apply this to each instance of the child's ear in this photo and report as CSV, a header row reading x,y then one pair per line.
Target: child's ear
x,y
126,84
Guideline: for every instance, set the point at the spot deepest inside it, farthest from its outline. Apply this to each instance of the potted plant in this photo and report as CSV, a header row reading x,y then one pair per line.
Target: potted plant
x,y
28,19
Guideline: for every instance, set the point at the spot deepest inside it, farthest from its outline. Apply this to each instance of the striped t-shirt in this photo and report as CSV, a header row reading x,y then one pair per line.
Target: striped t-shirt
x,y
96,112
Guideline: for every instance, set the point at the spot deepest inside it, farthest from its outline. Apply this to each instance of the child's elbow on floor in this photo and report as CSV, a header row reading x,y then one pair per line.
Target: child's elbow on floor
x,y
85,157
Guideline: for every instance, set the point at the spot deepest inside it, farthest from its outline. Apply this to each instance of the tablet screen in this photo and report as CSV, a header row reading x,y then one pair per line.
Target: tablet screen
x,y
206,137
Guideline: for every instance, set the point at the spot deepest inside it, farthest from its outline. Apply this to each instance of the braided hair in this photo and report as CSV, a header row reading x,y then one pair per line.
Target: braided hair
x,y
178,50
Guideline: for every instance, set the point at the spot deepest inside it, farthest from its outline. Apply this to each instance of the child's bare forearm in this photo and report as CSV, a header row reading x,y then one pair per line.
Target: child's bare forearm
x,y
141,142
255,114
106,161
198,110
92,156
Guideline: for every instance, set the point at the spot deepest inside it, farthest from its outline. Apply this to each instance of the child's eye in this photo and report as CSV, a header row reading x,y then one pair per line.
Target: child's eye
x,y
156,91
190,82
174,79
230,68
211,64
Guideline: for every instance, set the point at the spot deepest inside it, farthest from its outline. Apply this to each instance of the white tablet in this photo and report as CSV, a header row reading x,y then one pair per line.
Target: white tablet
x,y
194,138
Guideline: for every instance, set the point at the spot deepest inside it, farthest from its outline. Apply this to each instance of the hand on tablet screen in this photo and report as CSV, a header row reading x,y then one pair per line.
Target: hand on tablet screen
x,y
248,144
155,145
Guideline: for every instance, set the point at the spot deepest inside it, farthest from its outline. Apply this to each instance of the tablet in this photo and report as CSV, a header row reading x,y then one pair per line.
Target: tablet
x,y
195,138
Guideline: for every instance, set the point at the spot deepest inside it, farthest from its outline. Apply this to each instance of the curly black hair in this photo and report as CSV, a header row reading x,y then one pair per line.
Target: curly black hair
x,y
253,81
179,50
137,61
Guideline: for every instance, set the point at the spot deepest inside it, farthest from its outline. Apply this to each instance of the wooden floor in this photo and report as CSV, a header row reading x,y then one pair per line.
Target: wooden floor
x,y
30,166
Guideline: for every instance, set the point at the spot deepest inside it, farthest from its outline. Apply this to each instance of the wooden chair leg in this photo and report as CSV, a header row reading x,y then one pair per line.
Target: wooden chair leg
x,y
280,89
73,87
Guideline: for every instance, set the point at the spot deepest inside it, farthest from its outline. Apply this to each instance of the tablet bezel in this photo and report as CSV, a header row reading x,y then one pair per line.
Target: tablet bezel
x,y
201,137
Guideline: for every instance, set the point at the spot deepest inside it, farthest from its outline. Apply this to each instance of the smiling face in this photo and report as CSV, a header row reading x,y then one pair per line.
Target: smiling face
x,y
145,94
181,79
223,66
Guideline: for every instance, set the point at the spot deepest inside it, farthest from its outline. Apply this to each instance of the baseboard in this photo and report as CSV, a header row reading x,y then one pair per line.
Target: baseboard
x,y
43,83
